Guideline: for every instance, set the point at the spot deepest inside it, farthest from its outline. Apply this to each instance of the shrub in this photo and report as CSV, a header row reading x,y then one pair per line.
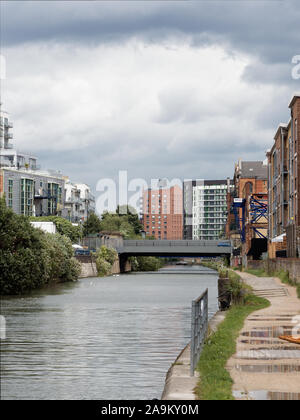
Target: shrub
x,y
105,257
63,226
103,267
148,263
30,258
92,225
63,267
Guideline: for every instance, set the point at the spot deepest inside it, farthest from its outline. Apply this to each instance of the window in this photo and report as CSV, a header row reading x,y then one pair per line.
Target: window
x,y
10,193
27,194
54,197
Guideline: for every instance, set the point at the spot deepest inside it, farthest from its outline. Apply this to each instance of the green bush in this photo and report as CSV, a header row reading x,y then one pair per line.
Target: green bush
x,y
105,258
30,258
103,267
63,267
92,225
63,226
148,264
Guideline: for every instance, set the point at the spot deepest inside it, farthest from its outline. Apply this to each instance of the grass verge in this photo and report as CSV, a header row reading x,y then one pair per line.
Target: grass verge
x,y
215,382
282,274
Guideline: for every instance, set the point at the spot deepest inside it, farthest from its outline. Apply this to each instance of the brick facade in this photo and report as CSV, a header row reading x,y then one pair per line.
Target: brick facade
x,y
284,175
162,213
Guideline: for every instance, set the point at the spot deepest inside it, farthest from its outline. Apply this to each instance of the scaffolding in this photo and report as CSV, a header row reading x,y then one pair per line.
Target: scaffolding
x,y
240,203
258,213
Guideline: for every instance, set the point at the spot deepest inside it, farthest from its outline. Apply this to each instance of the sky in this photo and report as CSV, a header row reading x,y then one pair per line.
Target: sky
x,y
161,89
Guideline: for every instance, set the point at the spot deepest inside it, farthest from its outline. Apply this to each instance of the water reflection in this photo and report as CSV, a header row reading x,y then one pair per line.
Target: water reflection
x,y
109,338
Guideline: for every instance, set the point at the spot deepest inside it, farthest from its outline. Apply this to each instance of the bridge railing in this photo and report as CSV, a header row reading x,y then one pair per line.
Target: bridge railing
x,y
167,243
199,328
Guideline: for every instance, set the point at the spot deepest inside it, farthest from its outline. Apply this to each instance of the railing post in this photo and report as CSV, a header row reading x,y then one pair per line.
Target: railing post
x,y
193,328
199,326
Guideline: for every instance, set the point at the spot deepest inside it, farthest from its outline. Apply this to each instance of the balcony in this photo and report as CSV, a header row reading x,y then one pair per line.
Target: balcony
x,y
8,124
8,136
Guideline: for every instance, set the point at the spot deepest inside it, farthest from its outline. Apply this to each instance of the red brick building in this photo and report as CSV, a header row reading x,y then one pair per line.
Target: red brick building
x,y
284,184
162,212
250,185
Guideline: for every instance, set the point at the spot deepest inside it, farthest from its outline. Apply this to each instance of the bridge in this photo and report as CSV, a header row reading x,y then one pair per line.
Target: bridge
x,y
182,248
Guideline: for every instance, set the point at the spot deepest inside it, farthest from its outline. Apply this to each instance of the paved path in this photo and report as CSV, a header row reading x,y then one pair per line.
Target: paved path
x,y
265,367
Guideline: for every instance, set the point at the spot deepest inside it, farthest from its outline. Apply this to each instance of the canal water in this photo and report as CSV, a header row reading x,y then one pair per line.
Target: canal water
x,y
100,338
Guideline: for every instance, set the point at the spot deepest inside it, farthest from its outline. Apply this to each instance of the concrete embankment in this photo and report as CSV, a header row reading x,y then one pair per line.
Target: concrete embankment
x,y
89,269
179,385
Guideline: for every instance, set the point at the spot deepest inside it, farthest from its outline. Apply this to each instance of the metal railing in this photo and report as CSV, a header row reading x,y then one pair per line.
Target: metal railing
x,y
170,243
199,328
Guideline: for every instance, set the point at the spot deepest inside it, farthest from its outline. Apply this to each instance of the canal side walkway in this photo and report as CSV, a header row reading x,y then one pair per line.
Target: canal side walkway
x,y
265,367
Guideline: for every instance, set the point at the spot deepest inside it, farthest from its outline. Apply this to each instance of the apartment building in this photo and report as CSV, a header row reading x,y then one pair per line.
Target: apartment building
x,y
32,193
9,156
79,201
247,202
162,212
284,197
205,208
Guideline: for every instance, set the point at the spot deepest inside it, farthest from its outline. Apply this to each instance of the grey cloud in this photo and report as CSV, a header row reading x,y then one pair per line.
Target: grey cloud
x,y
268,30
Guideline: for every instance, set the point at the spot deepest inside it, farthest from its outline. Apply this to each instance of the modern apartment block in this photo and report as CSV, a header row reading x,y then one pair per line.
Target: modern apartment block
x,y
205,208
32,193
284,195
79,202
162,212
9,156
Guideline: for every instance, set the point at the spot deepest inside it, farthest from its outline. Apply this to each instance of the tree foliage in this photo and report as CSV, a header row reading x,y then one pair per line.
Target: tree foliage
x,y
124,221
63,226
146,263
105,258
92,225
30,258
114,223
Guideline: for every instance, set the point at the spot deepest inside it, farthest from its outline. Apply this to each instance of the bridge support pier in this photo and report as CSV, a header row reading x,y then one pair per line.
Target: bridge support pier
x,y
125,265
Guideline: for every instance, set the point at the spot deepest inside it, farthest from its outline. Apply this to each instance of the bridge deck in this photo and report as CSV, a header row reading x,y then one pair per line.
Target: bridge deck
x,y
179,247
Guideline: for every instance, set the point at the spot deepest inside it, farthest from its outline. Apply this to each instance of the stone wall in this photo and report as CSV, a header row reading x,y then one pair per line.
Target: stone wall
x,y
89,269
292,265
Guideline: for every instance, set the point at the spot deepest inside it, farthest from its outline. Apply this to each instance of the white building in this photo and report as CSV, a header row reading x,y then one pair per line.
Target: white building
x,y
79,201
9,156
208,208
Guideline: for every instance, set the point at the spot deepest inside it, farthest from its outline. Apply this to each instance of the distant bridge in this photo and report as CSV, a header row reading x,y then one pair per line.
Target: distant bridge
x,y
182,248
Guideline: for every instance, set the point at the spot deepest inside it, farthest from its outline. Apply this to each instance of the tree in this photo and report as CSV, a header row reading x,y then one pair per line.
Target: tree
x,y
30,258
115,223
63,226
147,263
132,217
105,258
125,221
92,225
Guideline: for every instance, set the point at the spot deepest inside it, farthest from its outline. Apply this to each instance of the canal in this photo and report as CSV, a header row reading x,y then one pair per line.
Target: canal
x,y
100,338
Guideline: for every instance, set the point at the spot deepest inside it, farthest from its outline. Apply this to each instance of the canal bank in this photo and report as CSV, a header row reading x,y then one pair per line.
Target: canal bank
x,y
89,267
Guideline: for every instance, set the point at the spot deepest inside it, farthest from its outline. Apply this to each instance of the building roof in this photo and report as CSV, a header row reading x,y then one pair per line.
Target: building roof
x,y
217,181
33,173
280,127
295,96
255,169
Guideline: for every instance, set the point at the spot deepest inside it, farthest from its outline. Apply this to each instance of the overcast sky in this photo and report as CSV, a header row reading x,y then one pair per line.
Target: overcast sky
x,y
161,89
